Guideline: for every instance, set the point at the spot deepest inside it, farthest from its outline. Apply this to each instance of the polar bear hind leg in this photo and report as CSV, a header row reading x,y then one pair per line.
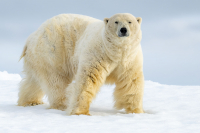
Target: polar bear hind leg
x,y
56,90
30,93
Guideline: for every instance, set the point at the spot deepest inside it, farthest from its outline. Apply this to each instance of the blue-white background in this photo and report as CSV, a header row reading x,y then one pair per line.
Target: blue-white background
x,y
171,32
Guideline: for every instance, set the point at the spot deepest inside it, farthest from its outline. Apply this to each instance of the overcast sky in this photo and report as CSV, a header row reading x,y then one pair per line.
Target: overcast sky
x,y
171,32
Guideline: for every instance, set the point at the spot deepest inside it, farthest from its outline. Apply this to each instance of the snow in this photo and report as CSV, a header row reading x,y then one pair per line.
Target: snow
x,y
168,109
5,76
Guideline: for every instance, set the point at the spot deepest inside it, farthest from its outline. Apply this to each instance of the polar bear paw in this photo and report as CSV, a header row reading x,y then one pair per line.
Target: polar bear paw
x,y
136,110
30,104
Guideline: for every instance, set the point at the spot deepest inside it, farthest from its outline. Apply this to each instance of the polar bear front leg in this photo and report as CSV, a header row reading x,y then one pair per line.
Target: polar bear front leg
x,y
129,92
87,83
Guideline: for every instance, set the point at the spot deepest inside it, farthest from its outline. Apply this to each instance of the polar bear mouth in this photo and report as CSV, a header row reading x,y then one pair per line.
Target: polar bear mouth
x,y
123,32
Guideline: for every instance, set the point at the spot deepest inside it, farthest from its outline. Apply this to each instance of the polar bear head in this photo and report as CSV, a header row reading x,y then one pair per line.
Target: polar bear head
x,y
122,26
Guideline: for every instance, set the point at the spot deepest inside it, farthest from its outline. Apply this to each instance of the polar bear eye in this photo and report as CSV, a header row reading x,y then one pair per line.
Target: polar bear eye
x,y
129,22
116,22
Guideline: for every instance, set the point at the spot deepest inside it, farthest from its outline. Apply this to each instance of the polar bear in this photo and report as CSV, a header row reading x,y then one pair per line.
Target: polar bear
x,y
89,52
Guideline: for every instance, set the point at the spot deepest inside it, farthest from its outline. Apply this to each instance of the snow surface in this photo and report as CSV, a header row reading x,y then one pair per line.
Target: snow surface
x,y
168,109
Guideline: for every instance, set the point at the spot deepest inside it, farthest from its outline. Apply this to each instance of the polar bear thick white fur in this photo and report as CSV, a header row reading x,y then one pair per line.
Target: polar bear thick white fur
x,y
89,52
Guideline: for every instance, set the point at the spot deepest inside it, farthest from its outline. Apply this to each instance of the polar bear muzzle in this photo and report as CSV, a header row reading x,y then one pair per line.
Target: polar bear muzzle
x,y
123,32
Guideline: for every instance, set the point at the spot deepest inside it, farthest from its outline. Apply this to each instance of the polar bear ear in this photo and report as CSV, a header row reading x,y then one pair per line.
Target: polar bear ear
x,y
106,20
139,20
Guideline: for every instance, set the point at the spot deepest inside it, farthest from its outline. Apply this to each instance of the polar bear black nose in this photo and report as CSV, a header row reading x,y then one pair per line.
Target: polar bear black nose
x,y
123,30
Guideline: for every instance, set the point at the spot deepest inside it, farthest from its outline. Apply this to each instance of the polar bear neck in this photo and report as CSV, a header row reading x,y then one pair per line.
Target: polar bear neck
x,y
114,52
120,50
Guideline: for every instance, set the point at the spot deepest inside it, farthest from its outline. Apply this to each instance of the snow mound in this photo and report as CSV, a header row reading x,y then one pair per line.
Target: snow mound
x,y
168,109
6,76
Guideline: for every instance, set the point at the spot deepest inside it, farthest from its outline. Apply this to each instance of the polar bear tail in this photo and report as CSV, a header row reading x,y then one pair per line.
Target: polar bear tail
x,y
23,53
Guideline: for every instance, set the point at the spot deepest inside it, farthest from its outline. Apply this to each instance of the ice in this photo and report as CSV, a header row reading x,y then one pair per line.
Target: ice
x,y
5,76
168,109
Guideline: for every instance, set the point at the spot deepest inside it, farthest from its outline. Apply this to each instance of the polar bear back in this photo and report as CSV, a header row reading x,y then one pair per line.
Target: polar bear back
x,y
56,40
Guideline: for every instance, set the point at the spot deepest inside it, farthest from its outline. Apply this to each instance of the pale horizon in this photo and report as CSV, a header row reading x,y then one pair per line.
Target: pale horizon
x,y
170,42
